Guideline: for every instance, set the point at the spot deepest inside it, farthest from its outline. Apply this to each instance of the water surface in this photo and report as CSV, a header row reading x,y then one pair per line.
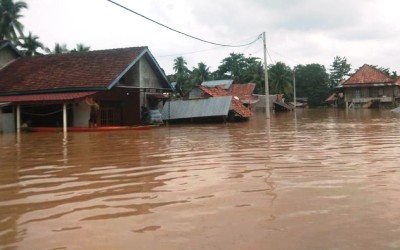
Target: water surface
x,y
325,179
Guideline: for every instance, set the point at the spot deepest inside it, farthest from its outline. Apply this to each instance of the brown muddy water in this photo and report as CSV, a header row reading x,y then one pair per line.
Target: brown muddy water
x,y
326,179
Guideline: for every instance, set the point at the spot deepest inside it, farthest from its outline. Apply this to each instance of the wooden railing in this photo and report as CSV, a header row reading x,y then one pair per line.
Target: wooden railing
x,y
367,99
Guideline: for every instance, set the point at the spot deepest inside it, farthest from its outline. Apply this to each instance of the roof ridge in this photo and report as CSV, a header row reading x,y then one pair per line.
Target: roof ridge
x,y
380,75
88,52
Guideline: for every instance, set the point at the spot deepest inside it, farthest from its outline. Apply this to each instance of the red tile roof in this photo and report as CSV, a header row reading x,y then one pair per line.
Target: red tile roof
x,y
53,97
244,92
237,106
367,75
93,70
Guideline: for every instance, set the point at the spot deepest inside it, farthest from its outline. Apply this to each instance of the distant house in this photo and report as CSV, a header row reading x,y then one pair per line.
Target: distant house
x,y
213,99
369,86
237,107
8,53
245,94
196,92
50,90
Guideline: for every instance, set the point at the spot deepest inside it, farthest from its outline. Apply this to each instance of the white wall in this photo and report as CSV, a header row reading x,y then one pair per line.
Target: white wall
x,y
81,114
7,122
6,56
148,78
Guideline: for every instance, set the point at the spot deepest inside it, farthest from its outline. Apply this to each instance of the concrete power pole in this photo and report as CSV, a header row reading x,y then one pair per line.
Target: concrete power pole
x,y
267,109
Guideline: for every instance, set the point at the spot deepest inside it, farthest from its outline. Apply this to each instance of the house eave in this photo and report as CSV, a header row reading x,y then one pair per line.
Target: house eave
x,y
47,91
359,85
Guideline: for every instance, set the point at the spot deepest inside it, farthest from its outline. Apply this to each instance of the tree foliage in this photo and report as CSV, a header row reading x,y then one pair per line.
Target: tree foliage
x,y
31,43
233,67
10,27
200,73
62,48
392,74
182,75
312,81
80,47
280,79
339,71
242,69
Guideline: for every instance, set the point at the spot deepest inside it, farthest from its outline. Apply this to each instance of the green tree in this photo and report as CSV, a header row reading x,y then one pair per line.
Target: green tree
x,y
10,28
80,47
392,75
201,73
182,75
233,67
241,69
58,49
31,43
339,70
280,79
254,73
312,81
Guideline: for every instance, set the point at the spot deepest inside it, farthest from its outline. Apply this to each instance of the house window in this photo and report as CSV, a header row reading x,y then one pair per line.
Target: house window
x,y
380,91
357,93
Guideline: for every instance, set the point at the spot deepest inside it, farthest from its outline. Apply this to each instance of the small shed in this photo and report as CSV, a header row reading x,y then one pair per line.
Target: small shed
x,y
213,107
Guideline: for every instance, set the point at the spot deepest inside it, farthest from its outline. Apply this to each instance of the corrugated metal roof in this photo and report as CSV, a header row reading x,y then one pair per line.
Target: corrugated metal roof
x,y
182,109
225,84
237,106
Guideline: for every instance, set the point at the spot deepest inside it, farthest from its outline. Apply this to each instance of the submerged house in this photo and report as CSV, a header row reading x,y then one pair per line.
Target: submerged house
x,y
209,101
50,90
369,87
245,94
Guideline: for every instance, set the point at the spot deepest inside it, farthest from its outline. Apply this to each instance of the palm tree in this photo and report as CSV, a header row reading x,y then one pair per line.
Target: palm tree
x,y
80,47
201,73
31,43
281,79
181,74
58,49
9,24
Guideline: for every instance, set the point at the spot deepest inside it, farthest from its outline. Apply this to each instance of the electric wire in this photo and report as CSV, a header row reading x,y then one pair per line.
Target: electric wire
x,y
180,32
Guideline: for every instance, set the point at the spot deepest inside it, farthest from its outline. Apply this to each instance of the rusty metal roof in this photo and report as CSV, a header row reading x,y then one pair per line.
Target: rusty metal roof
x,y
367,75
237,106
196,108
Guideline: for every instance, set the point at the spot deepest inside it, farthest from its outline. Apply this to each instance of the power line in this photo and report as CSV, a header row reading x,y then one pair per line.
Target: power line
x,y
180,32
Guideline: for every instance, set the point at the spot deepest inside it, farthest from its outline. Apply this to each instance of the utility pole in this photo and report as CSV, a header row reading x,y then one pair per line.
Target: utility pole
x,y
267,111
294,87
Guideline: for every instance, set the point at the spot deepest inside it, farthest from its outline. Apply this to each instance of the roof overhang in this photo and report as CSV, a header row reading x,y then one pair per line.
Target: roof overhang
x,y
358,85
46,98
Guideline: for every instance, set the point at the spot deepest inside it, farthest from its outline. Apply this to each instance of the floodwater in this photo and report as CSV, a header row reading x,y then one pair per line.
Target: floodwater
x,y
325,179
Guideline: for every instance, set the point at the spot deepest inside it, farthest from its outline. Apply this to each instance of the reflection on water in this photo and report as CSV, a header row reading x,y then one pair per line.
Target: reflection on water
x,y
326,180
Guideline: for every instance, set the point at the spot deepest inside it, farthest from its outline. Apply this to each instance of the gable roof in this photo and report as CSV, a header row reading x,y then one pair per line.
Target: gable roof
x,y
225,84
244,92
5,44
367,75
78,71
237,106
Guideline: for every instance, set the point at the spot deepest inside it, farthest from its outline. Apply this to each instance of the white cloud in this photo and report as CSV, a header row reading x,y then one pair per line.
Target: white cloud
x,y
298,31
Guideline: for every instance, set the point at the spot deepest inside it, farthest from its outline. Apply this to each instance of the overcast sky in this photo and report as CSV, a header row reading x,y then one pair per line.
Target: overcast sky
x,y
298,31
